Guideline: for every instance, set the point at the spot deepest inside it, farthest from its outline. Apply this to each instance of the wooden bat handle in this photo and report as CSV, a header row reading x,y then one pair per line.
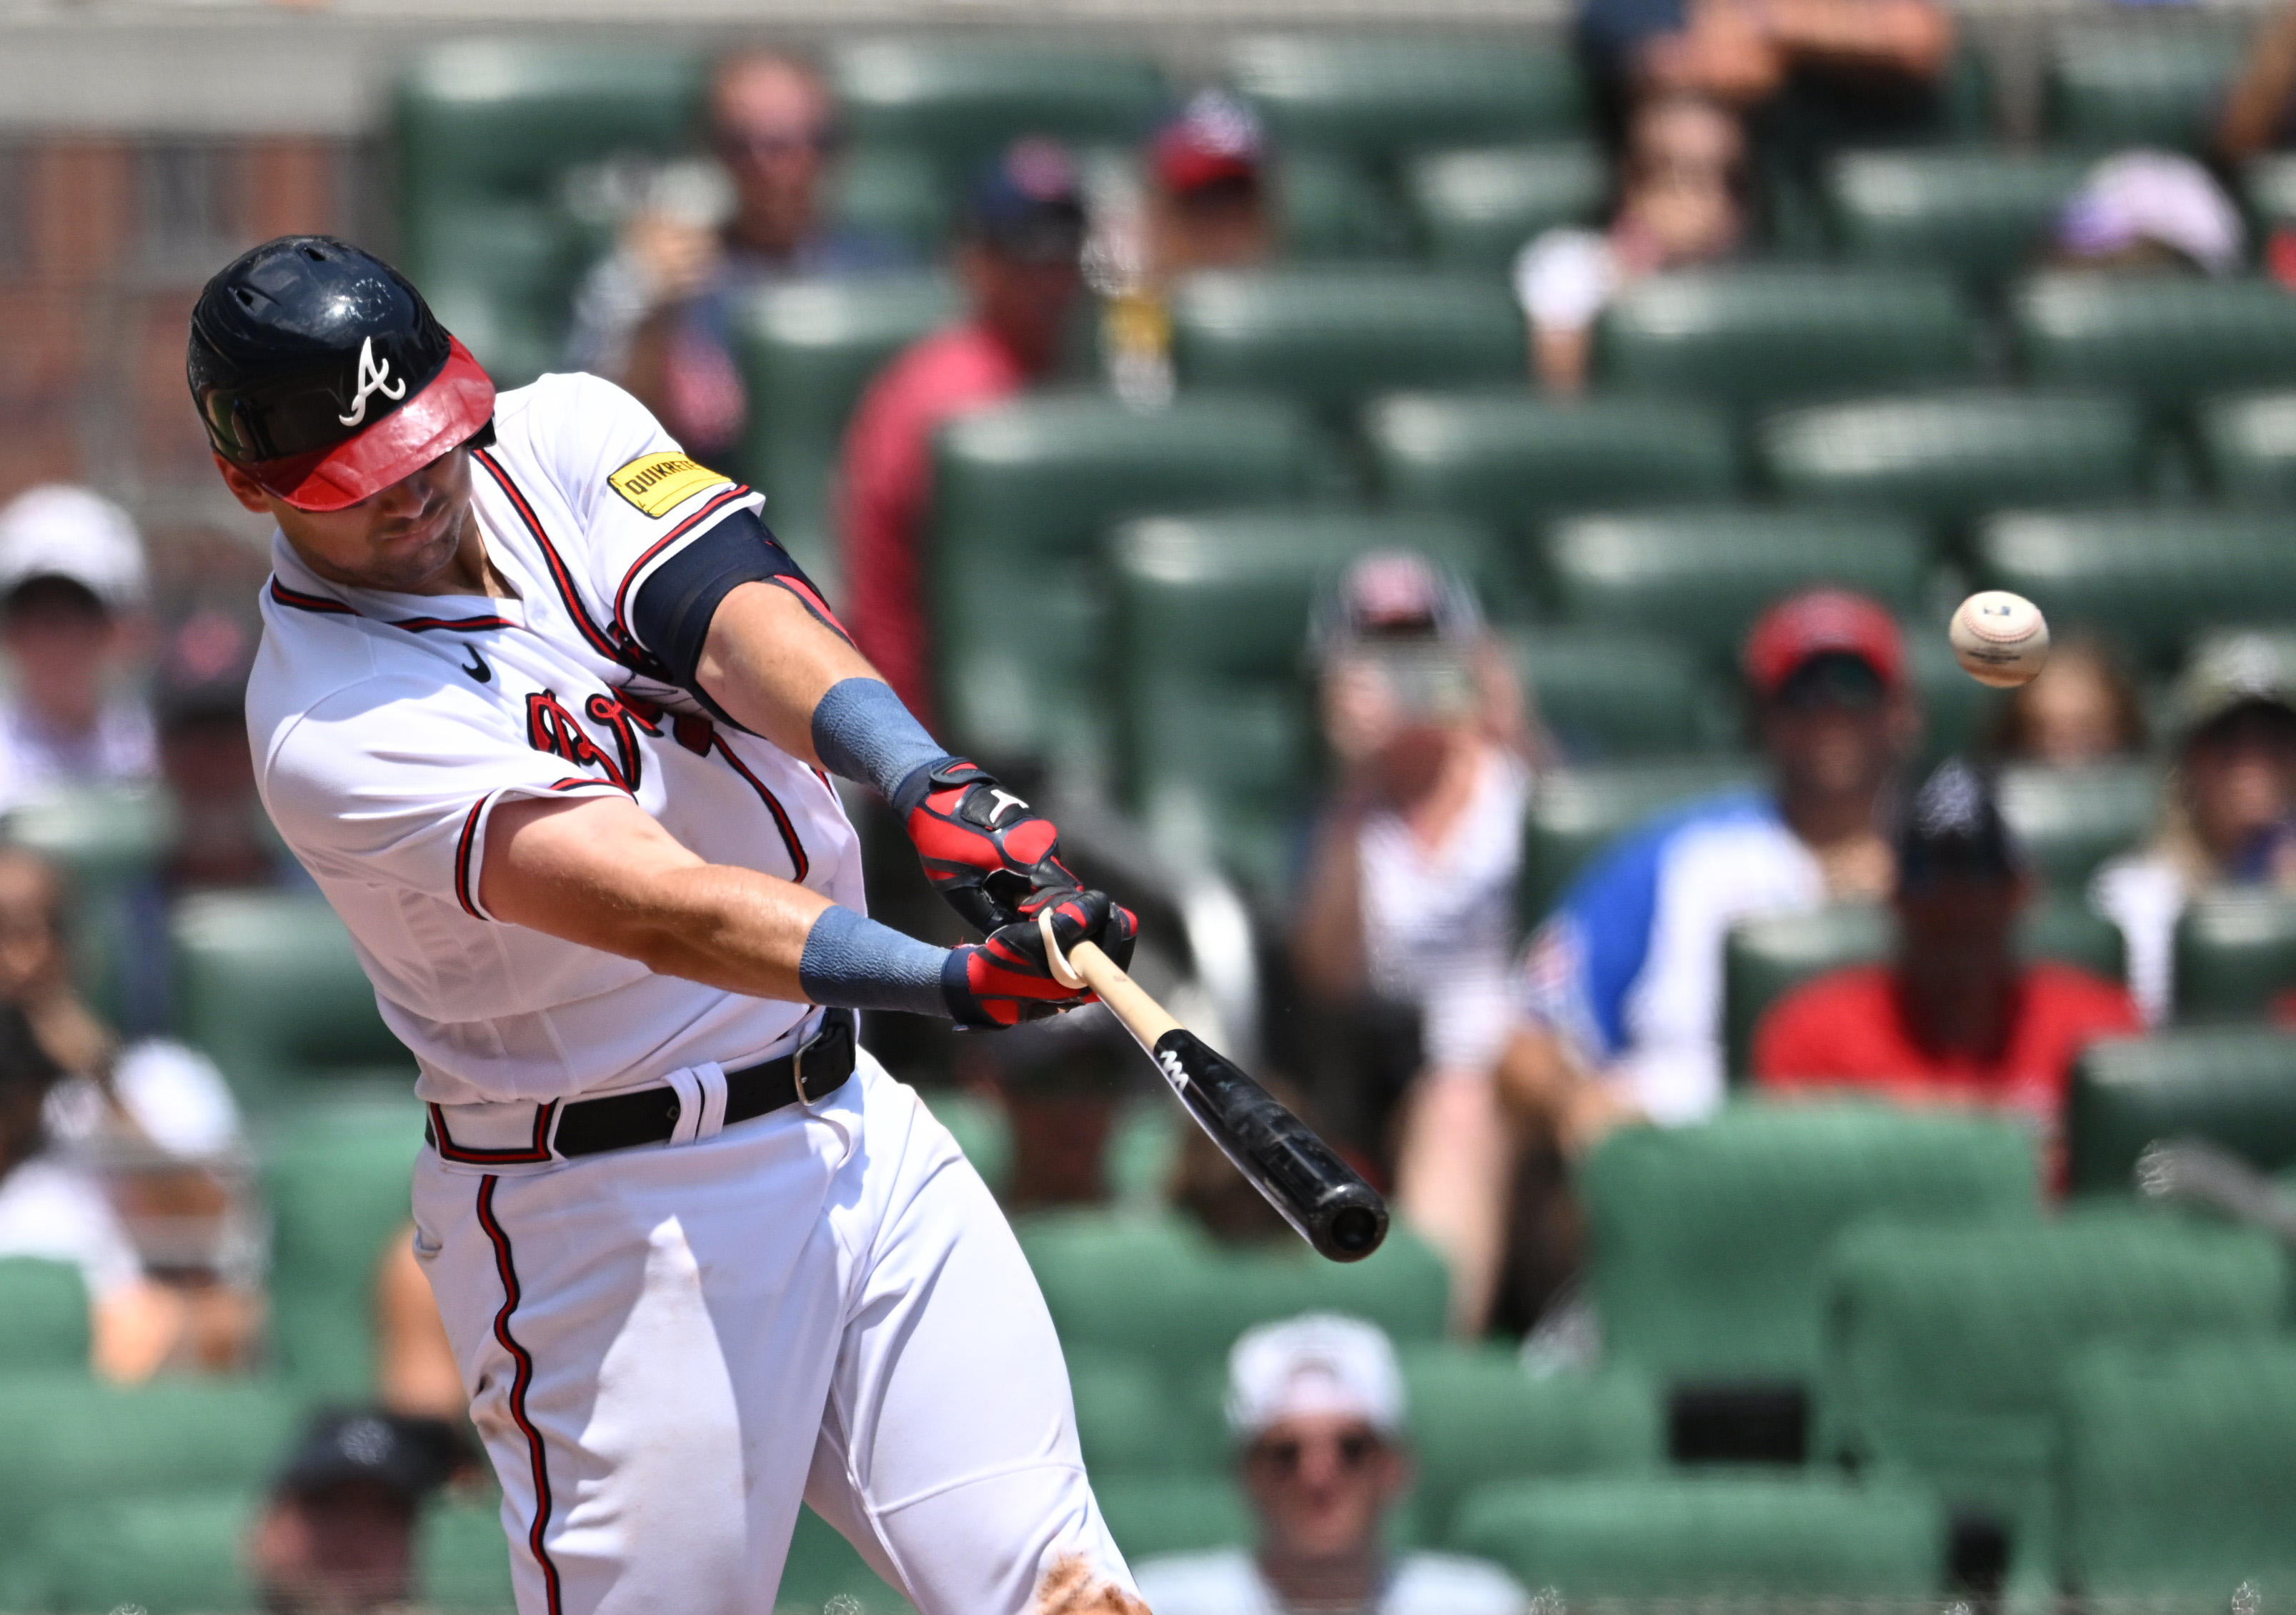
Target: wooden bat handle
x,y
1086,966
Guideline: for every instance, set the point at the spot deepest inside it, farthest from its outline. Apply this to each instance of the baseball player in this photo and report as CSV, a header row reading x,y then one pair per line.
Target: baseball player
x,y
545,711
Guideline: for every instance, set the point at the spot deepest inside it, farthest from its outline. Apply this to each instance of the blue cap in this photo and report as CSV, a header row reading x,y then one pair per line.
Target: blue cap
x,y
1026,204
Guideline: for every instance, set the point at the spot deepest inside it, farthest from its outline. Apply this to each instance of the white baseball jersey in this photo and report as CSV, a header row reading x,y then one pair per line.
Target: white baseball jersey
x,y
388,728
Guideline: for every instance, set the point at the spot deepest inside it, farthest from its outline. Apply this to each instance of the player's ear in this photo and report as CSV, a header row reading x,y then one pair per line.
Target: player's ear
x,y
243,488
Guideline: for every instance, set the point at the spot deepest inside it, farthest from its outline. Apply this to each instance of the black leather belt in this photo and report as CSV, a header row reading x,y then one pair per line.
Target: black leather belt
x,y
622,1121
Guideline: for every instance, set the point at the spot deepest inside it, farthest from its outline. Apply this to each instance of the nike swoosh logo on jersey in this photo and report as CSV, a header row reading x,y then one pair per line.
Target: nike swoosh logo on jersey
x,y
479,669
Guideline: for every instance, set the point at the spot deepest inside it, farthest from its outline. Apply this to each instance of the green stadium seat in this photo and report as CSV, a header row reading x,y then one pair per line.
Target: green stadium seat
x,y
2146,579
1701,577
2179,1466
1477,208
2267,185
103,840
1707,1537
1947,1345
2164,339
1755,337
267,985
1577,812
44,1320
1605,695
1158,1287
1125,1419
1958,715
2107,88
1705,1243
1950,457
1331,208
1153,1514
1510,459
1763,960
807,353
1218,744
1331,337
2071,820
2248,443
168,1556
1979,215
826,1572
336,1178
2235,957
462,1559
2226,1085
958,100
1476,1418
1378,98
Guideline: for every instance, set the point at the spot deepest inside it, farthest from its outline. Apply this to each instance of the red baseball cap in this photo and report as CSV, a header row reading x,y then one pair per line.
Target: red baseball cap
x,y
1216,137
1821,621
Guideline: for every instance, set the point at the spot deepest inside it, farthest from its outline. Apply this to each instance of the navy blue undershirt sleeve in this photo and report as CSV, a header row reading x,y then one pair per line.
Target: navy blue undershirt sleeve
x,y
852,963
671,614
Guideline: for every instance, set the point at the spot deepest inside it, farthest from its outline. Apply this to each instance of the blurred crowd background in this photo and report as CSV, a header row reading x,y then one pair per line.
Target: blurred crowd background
x,y
1455,513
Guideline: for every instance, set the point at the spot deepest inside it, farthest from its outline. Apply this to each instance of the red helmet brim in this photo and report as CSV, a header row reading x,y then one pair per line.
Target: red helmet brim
x,y
457,402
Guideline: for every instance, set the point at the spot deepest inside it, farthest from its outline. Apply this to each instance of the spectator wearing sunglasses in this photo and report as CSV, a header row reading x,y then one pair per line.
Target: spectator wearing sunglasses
x,y
657,314
1316,1405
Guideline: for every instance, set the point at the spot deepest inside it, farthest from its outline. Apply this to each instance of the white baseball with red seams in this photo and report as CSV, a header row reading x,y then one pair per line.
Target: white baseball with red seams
x,y
665,1347
1999,638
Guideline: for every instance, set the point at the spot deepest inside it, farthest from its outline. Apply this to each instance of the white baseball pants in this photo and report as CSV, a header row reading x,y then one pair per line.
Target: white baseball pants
x,y
667,1346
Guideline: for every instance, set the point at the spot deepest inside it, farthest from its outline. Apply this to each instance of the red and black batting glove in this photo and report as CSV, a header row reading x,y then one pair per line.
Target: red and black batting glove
x,y
984,849
1007,980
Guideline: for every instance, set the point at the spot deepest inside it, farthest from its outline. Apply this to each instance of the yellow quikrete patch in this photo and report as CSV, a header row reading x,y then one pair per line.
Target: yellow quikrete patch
x,y
658,483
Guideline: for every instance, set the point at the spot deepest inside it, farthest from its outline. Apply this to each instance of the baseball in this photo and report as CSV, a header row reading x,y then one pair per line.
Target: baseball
x,y
1999,638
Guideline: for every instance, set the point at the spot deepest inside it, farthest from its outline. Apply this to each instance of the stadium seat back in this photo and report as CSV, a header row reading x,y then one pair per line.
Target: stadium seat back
x,y
1153,1514
1578,811
1331,337
2248,443
269,985
1706,1243
2178,1463
2227,1086
1380,97
1474,208
1216,710
1330,208
2236,958
1510,459
2106,88
1701,577
826,1572
1979,215
1605,696
462,1559
2164,338
1763,960
1022,495
2071,820
44,1319
336,1178
178,1554
1949,457
1775,335
2148,580
1700,1536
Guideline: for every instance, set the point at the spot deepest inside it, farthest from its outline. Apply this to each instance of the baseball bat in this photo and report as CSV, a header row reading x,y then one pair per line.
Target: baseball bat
x,y
1319,1195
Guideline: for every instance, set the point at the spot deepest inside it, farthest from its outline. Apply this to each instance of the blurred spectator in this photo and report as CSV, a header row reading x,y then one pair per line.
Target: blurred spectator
x,y
1681,201
71,584
1316,1405
54,1209
1956,1018
1408,895
657,316
1622,985
2259,111
1208,207
338,1533
2150,212
415,1371
1023,230
1058,1083
2083,709
2229,818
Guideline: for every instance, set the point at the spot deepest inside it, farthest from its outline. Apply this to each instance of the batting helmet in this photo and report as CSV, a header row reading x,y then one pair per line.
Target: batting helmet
x,y
320,371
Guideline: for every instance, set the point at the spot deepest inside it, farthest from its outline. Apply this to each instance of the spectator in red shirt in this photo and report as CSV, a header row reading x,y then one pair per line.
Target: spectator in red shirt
x,y
1017,257
1955,1018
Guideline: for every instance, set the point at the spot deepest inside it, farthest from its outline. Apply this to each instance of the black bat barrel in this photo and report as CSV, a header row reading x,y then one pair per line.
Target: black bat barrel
x,y
1319,1195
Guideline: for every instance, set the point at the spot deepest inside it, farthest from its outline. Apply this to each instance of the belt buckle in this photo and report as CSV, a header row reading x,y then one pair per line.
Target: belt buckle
x,y
836,1033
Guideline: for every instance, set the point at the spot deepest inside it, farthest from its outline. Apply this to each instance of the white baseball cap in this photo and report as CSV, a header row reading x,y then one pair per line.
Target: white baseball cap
x,y
1318,1363
58,531
2164,197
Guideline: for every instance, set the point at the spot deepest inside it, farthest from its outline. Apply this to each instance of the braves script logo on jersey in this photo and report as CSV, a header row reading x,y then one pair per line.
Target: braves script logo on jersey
x,y
657,484
550,727
373,376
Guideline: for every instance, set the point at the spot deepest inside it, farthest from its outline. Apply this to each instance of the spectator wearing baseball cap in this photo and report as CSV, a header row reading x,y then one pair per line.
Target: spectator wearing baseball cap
x,y
338,1534
1017,257
2148,211
2229,815
1621,986
1316,1405
1955,1018
71,587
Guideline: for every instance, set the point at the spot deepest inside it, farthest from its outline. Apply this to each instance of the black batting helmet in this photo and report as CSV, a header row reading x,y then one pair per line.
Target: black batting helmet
x,y
319,370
